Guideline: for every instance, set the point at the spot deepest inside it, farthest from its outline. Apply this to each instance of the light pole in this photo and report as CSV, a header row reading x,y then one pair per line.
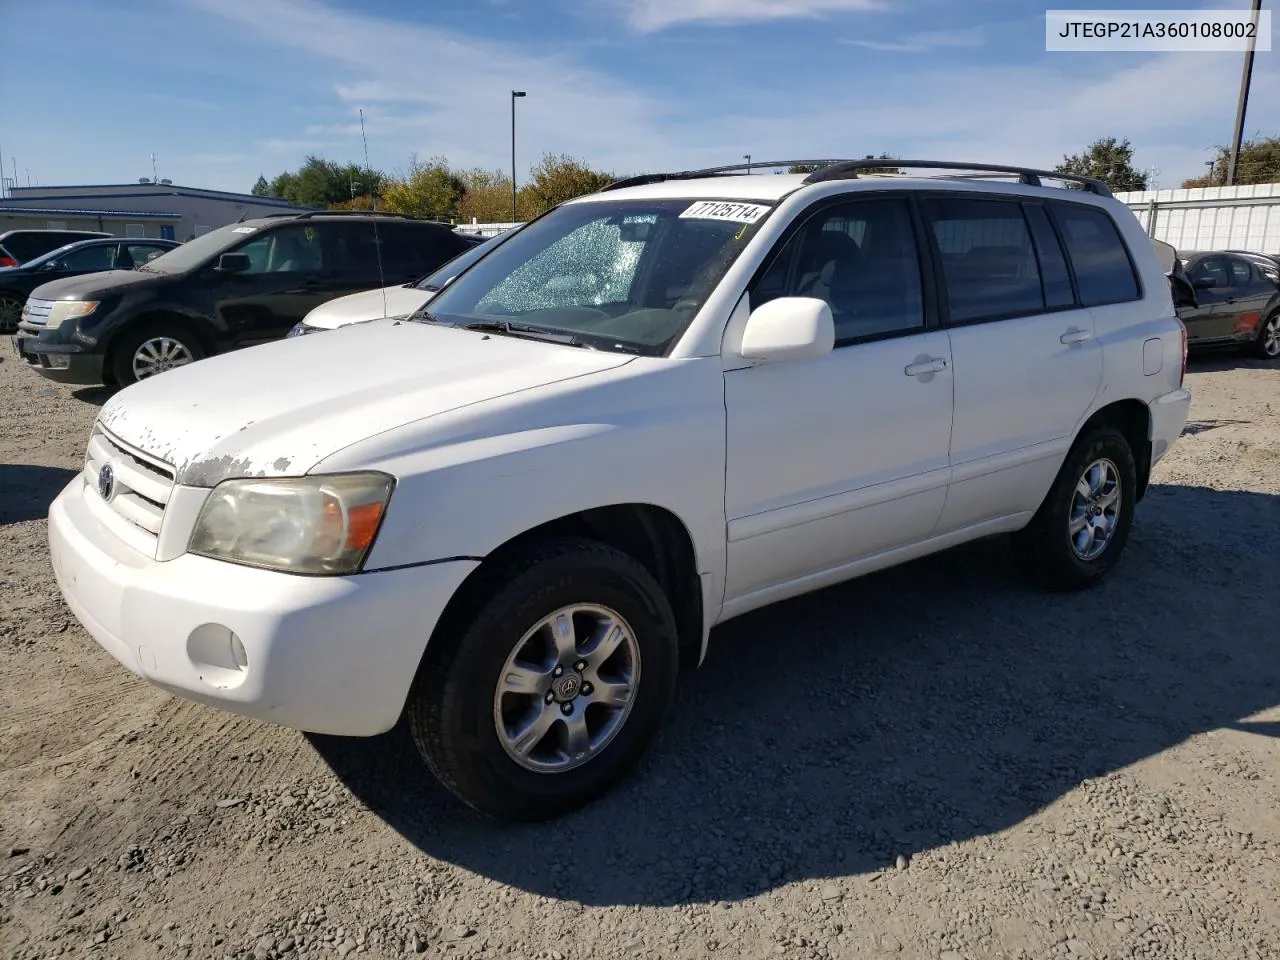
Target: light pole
x,y
514,94
747,157
1243,102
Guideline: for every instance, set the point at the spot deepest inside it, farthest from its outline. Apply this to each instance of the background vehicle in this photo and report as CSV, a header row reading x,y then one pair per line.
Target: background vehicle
x,y
83,256
653,409
1268,264
398,301
19,246
1236,304
242,284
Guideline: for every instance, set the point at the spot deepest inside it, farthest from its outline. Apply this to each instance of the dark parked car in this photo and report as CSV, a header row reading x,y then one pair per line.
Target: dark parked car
x,y
1269,264
1236,304
239,285
19,246
84,256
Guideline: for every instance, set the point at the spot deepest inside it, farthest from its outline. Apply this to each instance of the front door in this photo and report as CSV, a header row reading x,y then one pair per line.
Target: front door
x,y
842,457
289,275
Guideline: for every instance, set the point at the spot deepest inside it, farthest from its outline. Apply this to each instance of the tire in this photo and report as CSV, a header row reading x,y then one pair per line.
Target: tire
x,y
1267,344
1047,547
10,312
168,343
466,730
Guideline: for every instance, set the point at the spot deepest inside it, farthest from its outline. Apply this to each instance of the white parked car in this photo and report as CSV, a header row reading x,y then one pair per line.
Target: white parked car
x,y
398,301
656,408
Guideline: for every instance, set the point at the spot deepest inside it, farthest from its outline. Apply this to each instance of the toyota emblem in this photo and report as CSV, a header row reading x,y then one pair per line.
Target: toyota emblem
x,y
106,481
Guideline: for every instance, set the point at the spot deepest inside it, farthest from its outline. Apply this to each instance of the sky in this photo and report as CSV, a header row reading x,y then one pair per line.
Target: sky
x,y
224,90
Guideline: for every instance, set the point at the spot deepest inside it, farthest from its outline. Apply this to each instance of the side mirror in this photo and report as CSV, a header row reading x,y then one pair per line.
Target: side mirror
x,y
52,265
1204,283
789,328
233,263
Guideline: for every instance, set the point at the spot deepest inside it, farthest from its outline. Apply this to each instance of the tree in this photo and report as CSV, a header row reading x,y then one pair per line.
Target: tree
x,y
1259,162
261,188
559,178
429,189
487,196
1109,160
323,183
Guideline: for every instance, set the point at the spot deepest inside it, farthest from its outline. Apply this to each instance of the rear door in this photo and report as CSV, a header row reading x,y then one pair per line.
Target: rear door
x,y
1027,362
1249,295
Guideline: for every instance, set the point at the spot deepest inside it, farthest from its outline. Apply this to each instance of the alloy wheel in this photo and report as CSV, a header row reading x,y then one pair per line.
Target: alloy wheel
x,y
1095,509
158,355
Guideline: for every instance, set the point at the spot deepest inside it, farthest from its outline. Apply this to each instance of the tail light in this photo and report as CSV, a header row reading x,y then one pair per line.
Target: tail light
x,y
1182,327
8,261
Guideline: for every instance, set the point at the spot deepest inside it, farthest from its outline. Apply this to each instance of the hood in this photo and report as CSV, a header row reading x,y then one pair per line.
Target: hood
x,y
280,408
367,305
95,286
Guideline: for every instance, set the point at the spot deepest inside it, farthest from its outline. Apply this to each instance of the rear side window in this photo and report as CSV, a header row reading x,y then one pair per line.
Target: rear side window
x,y
422,248
1241,273
988,258
1104,273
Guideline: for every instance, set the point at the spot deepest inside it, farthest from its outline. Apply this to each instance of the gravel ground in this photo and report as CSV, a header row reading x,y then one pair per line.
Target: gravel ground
x,y
936,762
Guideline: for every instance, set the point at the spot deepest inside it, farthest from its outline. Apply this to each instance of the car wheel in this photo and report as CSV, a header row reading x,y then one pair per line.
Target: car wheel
x,y
152,350
1081,528
1267,346
547,688
10,312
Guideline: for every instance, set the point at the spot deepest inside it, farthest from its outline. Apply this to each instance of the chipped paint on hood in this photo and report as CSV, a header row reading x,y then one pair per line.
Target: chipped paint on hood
x,y
281,408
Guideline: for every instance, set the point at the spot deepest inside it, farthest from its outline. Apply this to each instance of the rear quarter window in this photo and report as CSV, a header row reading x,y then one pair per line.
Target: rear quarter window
x,y
1104,271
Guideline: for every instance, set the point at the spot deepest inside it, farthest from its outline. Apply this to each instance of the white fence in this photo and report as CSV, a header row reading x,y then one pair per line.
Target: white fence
x,y
1211,218
485,229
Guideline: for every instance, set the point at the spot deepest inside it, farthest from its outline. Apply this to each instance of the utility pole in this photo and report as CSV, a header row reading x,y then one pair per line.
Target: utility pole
x,y
747,157
1245,78
514,95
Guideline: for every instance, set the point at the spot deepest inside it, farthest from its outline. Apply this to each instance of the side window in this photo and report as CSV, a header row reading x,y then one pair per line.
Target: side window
x,y
141,253
862,259
1241,273
1104,273
291,249
101,257
1054,276
353,250
1210,270
423,248
989,262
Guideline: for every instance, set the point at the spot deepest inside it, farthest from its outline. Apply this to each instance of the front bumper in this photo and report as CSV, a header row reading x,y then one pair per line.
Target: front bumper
x,y
64,363
333,655
1168,419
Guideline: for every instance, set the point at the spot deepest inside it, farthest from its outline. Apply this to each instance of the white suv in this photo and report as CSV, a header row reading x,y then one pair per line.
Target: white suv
x,y
656,408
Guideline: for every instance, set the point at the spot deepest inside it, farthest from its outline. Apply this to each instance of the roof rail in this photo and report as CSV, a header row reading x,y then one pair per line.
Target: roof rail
x,y
306,215
848,170
642,179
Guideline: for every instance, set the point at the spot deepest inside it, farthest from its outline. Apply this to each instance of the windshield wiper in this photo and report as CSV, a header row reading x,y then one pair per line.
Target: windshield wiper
x,y
524,330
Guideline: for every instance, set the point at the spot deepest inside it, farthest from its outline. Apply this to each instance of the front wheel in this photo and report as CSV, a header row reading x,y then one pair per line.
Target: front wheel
x,y
10,312
1267,345
153,349
1081,528
551,686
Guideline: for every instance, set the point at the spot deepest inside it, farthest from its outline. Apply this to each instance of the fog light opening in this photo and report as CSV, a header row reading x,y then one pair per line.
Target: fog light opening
x,y
58,361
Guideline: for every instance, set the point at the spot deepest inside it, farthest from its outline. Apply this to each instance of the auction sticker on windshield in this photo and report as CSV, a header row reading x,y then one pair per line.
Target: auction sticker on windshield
x,y
725,210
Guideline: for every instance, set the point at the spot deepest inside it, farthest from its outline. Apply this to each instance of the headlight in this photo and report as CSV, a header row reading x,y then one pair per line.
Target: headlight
x,y
68,310
311,525
300,330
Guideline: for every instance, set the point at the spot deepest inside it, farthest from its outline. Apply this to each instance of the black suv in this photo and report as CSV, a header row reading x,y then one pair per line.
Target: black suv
x,y
236,286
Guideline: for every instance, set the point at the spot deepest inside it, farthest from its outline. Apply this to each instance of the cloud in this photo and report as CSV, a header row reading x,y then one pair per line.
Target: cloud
x,y
651,15
921,42
183,101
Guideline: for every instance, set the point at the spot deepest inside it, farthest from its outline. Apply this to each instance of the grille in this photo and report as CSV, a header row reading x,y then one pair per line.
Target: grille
x,y
37,311
136,494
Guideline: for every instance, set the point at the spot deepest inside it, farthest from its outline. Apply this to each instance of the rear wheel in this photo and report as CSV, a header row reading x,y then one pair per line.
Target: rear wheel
x,y
1267,345
553,684
1081,528
153,349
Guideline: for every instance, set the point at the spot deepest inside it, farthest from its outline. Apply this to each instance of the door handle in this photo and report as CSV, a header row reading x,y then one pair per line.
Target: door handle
x,y
1075,336
924,367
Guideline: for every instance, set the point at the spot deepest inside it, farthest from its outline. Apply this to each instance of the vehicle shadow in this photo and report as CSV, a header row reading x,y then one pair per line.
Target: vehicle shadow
x,y
921,706
27,490
95,396
1220,360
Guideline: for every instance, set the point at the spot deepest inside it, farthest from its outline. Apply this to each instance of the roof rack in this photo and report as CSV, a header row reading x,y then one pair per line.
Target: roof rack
x,y
849,170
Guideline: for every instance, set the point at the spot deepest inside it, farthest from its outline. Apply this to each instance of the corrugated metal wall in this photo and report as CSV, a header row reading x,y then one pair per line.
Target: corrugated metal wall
x,y
1211,218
